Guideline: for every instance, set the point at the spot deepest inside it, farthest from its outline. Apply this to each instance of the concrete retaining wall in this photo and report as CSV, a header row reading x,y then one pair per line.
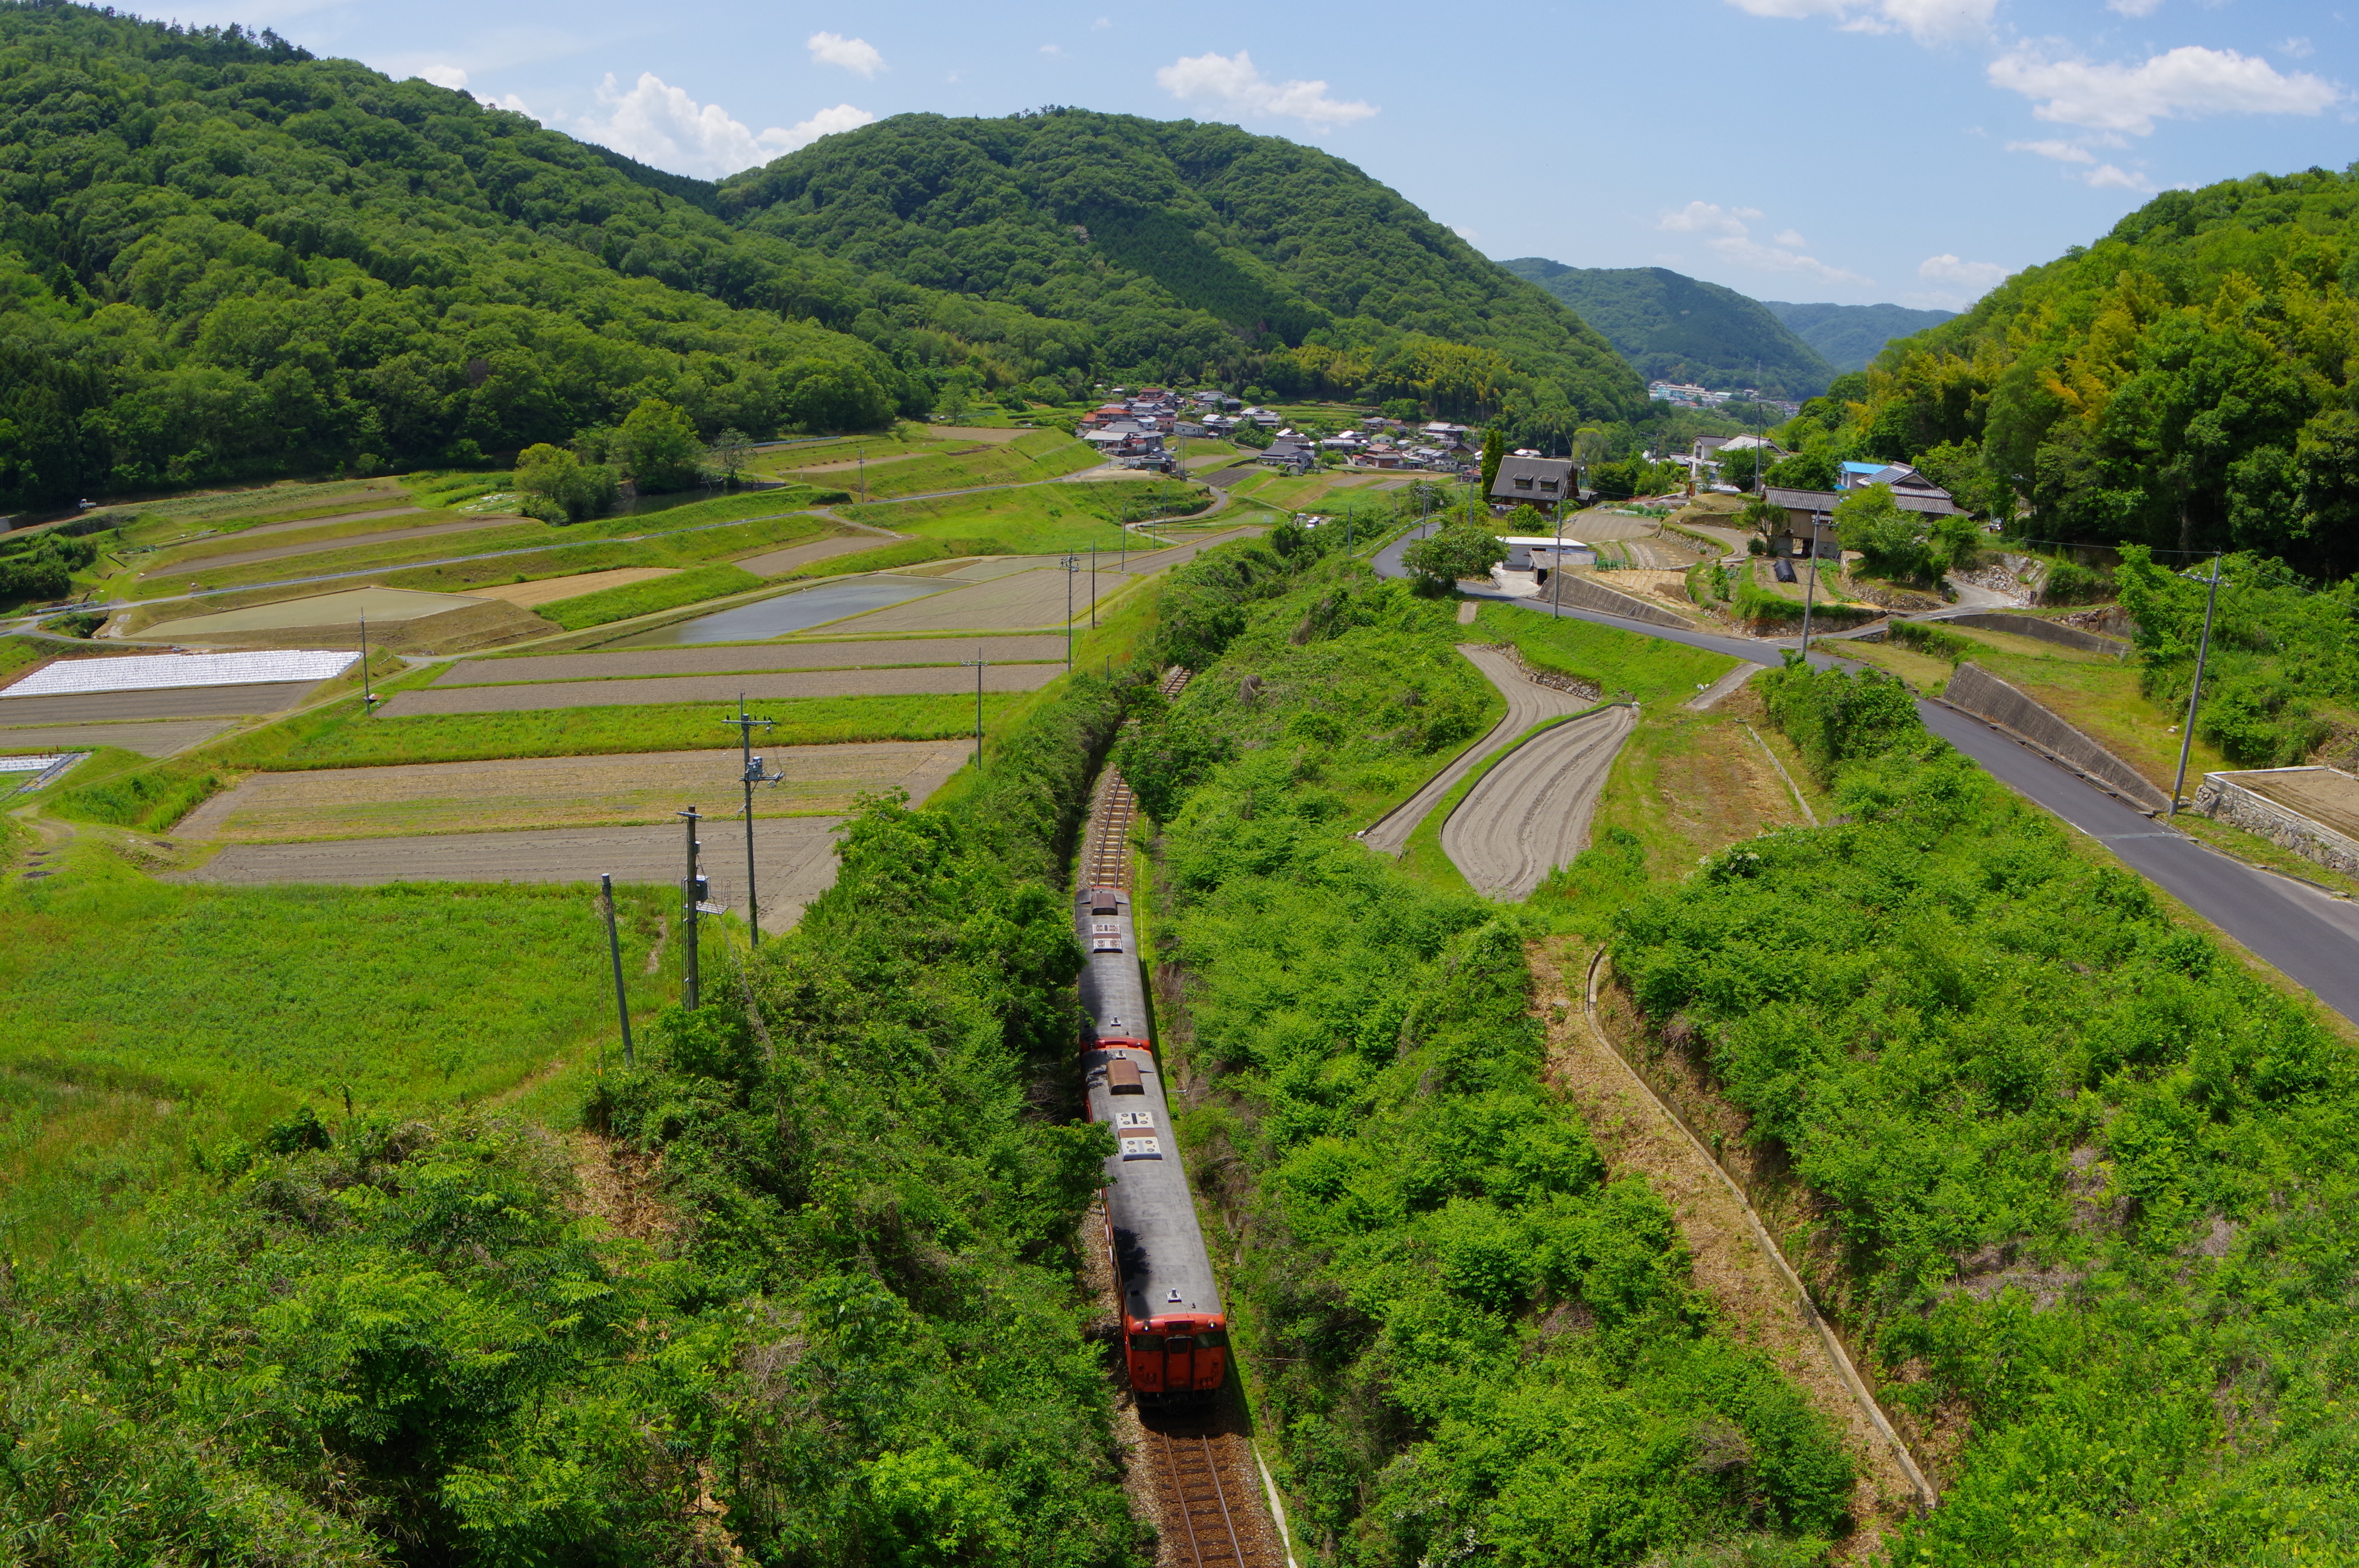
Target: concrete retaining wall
x,y
1587,593
2220,798
2043,629
1977,691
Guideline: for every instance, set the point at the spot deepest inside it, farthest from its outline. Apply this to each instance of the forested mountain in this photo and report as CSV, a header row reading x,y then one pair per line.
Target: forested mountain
x,y
220,257
1671,327
2183,383
1848,336
1187,250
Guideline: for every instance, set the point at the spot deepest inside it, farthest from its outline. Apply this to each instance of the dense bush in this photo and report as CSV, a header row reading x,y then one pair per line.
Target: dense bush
x,y
2077,1164
2281,650
1474,1345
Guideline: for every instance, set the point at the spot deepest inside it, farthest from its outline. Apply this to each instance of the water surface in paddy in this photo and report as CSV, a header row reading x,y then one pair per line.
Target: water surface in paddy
x,y
786,613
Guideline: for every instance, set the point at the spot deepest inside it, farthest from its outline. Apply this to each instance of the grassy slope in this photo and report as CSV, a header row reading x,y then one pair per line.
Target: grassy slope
x,y
142,1023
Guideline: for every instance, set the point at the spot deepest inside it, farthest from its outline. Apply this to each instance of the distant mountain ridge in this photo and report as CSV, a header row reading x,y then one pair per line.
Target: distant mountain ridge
x,y
1670,327
1849,336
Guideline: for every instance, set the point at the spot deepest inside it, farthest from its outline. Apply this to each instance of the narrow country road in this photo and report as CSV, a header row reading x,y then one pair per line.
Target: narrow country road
x,y
2306,934
1530,814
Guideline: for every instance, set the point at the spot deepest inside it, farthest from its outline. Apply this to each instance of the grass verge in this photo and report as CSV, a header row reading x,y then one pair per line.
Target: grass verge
x,y
645,598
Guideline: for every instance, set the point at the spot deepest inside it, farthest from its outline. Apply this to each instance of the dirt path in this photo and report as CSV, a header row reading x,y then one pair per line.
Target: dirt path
x,y
1736,1262
1530,814
1528,704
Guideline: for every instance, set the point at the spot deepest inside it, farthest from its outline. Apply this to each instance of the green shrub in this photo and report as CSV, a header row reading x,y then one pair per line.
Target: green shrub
x,y
147,798
1927,637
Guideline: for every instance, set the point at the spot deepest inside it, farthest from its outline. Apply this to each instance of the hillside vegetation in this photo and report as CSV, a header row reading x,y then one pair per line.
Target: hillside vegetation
x,y
2181,383
1848,336
1675,328
1170,251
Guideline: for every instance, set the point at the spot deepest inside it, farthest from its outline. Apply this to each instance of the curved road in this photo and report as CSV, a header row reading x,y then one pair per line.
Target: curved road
x,y
1528,704
2306,934
1530,814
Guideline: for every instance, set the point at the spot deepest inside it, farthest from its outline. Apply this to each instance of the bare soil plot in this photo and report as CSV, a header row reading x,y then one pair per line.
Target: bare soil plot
x,y
1179,555
551,791
777,563
313,546
1530,814
550,589
740,657
148,739
316,610
794,858
176,702
1022,601
382,512
2322,794
757,687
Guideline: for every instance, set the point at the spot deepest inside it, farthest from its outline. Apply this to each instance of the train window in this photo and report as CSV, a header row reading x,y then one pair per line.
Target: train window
x,y
1179,1346
1147,1342
1103,909
1211,1338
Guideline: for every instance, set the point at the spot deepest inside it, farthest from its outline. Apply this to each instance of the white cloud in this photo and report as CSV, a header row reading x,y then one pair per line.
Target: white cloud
x,y
857,55
2106,177
2184,83
1979,276
449,76
1052,51
1101,24
2297,49
1927,21
1708,217
1470,237
511,102
662,124
1732,240
1234,84
2134,7
2062,152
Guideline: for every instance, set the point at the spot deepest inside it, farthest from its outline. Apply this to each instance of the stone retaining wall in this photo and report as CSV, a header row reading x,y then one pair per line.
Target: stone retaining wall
x,y
1584,593
1571,685
1975,690
2043,629
2222,798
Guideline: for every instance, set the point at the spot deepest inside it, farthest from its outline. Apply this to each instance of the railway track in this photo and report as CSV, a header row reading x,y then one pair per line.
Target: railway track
x,y
1203,1526
1105,848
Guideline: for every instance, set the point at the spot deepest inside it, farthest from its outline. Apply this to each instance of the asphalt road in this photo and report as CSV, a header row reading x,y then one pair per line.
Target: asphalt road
x,y
1528,704
1530,814
2307,936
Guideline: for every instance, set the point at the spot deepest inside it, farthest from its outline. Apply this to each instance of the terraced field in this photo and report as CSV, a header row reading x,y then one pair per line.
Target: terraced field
x,y
757,687
554,792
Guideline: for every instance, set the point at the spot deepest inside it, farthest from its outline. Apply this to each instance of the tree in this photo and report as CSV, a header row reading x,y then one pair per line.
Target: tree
x,y
562,488
1894,543
1404,409
1810,468
658,446
1495,447
1742,467
730,453
1764,517
1456,552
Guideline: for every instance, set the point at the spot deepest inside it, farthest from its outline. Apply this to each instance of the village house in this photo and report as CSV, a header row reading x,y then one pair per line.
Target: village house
x,y
1809,514
1541,484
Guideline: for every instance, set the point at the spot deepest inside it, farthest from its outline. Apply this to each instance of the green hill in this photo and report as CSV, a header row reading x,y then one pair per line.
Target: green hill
x,y
2181,383
1675,328
1181,250
222,258
1848,336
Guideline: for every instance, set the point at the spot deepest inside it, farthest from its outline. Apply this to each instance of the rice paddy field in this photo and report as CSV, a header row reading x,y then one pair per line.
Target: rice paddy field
x,y
558,791
1037,519
761,686
954,464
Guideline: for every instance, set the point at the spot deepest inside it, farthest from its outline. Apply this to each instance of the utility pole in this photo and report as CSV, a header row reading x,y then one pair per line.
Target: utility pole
x,y
691,895
860,455
368,693
979,662
1072,564
1556,572
755,772
1093,585
2202,648
614,951
1810,592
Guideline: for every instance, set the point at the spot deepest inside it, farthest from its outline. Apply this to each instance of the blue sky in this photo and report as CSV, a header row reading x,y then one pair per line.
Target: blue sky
x,y
1844,150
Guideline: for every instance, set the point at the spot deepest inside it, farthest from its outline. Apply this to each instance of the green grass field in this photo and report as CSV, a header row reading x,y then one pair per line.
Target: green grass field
x,y
645,598
589,731
1648,668
1042,454
142,1024
1037,519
